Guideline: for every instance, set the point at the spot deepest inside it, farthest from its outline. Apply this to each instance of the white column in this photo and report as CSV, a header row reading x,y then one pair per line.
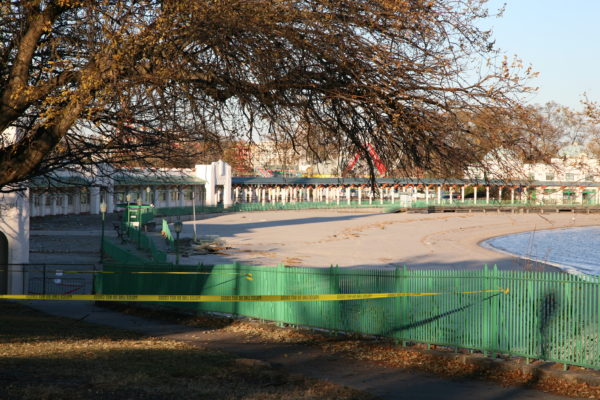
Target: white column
x,y
53,204
475,194
360,194
561,195
451,193
426,194
512,195
77,201
168,198
462,193
156,196
110,200
439,194
65,203
181,199
94,200
487,195
500,194
348,195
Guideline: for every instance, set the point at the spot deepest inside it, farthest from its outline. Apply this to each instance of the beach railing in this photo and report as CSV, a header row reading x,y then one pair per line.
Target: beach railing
x,y
550,316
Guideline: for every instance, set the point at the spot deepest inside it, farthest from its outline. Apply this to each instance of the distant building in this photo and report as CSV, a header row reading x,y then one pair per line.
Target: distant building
x,y
270,159
65,192
572,165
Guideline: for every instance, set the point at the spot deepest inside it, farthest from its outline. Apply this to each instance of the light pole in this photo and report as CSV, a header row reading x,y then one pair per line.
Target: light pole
x,y
103,211
194,210
177,226
128,216
139,218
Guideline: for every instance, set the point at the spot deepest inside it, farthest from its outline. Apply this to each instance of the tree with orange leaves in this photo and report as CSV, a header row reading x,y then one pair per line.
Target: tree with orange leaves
x,y
87,82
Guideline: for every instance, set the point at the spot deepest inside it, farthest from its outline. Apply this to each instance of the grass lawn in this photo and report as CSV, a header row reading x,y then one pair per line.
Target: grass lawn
x,y
45,357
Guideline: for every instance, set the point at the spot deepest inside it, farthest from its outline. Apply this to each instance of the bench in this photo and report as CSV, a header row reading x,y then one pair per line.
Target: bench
x,y
120,233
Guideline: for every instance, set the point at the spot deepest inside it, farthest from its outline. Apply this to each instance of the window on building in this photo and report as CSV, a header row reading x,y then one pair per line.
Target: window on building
x,y
531,176
549,177
162,195
589,178
569,177
187,194
174,195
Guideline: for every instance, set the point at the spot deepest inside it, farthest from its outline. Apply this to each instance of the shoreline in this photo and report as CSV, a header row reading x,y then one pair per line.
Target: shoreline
x,y
549,264
320,238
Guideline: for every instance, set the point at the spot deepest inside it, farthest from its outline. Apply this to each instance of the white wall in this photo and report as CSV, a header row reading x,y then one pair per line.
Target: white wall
x,y
14,224
217,173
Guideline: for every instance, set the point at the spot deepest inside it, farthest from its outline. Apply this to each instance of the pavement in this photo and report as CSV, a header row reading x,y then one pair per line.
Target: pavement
x,y
384,382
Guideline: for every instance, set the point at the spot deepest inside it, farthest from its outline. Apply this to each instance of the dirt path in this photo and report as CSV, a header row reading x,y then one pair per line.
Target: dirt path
x,y
385,382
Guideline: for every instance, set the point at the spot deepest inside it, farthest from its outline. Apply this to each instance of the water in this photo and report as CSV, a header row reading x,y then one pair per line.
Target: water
x,y
575,250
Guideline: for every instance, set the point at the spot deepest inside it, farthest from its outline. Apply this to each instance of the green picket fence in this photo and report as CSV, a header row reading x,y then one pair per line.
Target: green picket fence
x,y
120,255
376,203
471,203
305,205
546,315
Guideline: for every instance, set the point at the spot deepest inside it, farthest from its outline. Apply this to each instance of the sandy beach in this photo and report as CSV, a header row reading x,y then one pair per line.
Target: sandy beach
x,y
372,239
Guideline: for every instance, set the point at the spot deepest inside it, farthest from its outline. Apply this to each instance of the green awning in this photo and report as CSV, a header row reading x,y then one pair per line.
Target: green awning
x,y
143,180
59,181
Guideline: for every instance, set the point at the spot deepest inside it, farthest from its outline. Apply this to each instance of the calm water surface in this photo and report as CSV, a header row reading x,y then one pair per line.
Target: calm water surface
x,y
572,249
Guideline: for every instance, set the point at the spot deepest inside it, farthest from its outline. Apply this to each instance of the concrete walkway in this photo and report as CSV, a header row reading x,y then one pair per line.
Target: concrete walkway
x,y
385,382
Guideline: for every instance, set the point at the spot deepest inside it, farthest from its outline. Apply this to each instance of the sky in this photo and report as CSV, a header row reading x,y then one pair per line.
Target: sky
x,y
560,39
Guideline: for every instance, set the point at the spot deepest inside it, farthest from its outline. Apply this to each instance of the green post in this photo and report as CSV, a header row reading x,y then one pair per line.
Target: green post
x,y
404,300
486,313
494,304
139,228
177,248
103,210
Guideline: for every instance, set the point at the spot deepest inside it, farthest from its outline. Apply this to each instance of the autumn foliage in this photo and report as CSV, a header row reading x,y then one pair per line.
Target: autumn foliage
x,y
121,81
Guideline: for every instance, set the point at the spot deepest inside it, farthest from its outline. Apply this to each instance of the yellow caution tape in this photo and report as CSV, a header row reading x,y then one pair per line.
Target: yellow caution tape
x,y
231,298
248,275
